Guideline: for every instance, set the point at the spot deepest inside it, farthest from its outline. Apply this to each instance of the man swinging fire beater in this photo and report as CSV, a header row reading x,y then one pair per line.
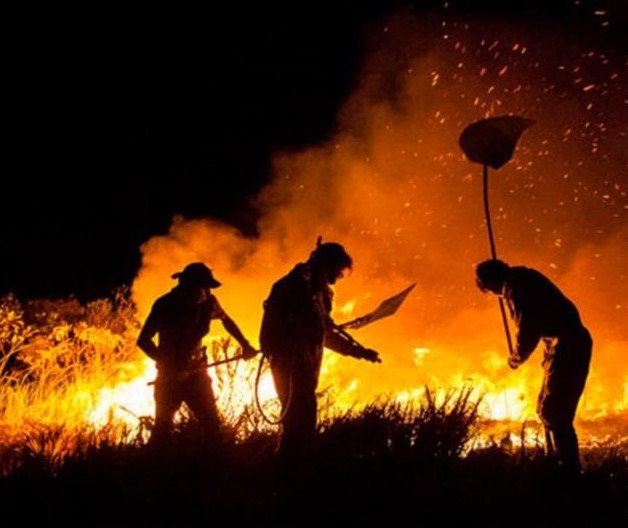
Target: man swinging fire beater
x,y
542,312
180,319
296,326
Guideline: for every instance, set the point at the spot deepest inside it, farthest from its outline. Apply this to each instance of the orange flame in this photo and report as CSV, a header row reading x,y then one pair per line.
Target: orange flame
x,y
393,187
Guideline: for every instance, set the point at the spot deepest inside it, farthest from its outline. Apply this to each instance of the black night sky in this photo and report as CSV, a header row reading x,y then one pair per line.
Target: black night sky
x,y
119,121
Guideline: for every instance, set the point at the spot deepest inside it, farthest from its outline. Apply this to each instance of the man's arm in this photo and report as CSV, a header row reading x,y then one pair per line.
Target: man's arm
x,y
234,330
342,342
527,333
145,338
230,326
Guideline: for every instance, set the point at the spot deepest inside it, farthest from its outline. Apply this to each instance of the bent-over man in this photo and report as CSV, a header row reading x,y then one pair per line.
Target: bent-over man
x,y
541,312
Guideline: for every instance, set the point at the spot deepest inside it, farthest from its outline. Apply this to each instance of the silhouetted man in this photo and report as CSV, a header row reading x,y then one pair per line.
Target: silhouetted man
x,y
180,319
296,326
542,312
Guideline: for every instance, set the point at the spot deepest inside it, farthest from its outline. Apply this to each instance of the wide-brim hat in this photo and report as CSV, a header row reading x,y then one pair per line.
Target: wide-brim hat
x,y
198,273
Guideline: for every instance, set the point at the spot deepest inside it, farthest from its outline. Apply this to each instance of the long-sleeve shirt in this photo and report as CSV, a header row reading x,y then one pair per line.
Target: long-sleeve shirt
x,y
180,322
538,308
297,319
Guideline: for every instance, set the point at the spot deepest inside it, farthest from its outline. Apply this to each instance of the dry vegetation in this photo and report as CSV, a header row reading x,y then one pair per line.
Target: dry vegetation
x,y
430,462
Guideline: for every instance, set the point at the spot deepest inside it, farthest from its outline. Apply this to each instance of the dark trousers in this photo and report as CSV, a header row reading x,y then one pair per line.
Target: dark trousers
x,y
566,367
295,381
193,389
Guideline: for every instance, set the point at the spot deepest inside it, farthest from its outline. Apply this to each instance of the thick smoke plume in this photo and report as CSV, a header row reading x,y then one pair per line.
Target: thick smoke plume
x,y
393,186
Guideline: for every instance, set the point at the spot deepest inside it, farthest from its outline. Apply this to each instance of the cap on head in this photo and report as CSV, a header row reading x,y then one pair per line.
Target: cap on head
x,y
199,274
331,254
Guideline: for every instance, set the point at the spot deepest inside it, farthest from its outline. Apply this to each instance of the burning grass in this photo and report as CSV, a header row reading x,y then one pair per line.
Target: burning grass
x,y
64,439
386,461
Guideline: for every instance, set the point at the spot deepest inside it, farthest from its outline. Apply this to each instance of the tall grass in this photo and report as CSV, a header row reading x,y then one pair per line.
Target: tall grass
x,y
386,462
54,355
384,458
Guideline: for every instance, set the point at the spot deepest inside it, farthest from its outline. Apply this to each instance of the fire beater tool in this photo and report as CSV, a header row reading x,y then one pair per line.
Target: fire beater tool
x,y
492,142
385,308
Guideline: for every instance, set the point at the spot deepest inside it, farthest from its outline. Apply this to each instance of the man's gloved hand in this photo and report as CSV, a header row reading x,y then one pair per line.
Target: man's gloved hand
x,y
371,355
249,352
513,362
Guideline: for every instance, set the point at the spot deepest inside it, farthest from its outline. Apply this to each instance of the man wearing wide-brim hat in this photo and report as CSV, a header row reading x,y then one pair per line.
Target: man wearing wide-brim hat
x,y
181,319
